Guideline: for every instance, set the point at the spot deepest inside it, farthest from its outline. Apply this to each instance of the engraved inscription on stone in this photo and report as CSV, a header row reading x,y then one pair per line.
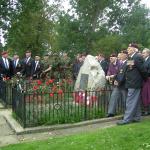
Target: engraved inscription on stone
x,y
84,81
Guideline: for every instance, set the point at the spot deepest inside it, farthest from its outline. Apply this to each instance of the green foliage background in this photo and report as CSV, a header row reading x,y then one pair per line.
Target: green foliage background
x,y
91,26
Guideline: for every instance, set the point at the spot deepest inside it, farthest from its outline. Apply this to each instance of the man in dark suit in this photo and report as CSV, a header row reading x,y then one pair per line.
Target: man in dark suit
x,y
5,66
37,68
146,83
133,83
16,64
104,64
27,63
5,71
119,92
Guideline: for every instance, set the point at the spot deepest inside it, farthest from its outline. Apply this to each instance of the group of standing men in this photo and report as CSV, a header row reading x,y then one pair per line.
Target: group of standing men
x,y
129,73
28,67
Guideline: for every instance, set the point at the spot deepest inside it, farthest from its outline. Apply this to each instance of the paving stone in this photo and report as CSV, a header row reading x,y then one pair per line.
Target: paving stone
x,y
9,139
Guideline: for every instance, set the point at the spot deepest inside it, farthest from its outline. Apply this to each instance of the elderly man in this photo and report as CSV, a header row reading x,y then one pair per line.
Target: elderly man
x,y
119,91
113,68
133,83
146,84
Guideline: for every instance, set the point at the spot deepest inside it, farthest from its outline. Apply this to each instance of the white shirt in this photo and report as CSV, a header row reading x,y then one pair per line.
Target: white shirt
x,y
36,64
6,61
132,55
124,61
27,59
146,58
16,62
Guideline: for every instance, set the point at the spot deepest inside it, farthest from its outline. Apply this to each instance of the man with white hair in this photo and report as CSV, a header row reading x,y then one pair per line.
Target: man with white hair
x,y
146,84
133,83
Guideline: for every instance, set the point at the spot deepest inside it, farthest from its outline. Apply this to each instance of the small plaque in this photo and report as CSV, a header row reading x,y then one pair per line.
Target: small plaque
x,y
84,81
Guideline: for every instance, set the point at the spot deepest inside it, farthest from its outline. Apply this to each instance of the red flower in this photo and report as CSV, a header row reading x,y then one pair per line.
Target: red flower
x,y
51,80
39,82
51,94
60,92
35,87
47,83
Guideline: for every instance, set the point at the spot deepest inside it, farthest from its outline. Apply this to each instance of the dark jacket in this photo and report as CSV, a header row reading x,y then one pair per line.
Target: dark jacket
x,y
36,71
104,64
27,67
134,72
5,72
17,68
76,68
113,68
147,66
120,77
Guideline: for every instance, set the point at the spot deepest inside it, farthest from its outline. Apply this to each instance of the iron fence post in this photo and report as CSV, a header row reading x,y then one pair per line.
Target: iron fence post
x,y
85,109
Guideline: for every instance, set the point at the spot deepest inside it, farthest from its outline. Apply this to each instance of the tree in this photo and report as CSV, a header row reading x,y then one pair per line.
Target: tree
x,y
6,13
32,27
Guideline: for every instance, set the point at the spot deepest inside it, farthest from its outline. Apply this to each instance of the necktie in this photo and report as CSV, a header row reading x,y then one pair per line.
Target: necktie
x,y
27,59
15,63
36,63
6,65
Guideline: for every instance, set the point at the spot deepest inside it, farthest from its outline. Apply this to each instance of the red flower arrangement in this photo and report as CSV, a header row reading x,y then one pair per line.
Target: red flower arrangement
x,y
81,98
49,86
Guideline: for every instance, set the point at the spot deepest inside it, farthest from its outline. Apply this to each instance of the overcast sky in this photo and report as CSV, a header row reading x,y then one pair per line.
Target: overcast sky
x,y
66,6
147,2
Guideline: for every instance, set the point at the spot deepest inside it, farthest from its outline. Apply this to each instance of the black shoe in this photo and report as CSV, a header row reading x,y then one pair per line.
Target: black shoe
x,y
145,113
122,122
110,115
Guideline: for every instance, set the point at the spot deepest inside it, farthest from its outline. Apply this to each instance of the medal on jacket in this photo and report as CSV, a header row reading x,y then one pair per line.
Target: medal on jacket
x,y
121,71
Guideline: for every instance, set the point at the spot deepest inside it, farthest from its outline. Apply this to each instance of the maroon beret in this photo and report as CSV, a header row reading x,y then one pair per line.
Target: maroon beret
x,y
4,52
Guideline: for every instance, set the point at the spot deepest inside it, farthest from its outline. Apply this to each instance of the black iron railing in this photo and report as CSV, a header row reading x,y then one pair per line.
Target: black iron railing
x,y
6,93
39,108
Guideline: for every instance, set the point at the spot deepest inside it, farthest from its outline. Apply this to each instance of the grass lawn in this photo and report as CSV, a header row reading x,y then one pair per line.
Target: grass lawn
x,y
135,136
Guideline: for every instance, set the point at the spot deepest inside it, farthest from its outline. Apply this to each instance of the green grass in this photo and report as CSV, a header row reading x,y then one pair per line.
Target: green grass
x,y
135,136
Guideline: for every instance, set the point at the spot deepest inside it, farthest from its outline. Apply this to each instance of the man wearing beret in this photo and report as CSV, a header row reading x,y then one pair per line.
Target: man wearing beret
x,y
27,65
119,92
133,83
113,68
5,71
5,66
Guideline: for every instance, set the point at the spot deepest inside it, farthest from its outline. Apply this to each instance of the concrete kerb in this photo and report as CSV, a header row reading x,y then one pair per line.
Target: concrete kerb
x,y
19,130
